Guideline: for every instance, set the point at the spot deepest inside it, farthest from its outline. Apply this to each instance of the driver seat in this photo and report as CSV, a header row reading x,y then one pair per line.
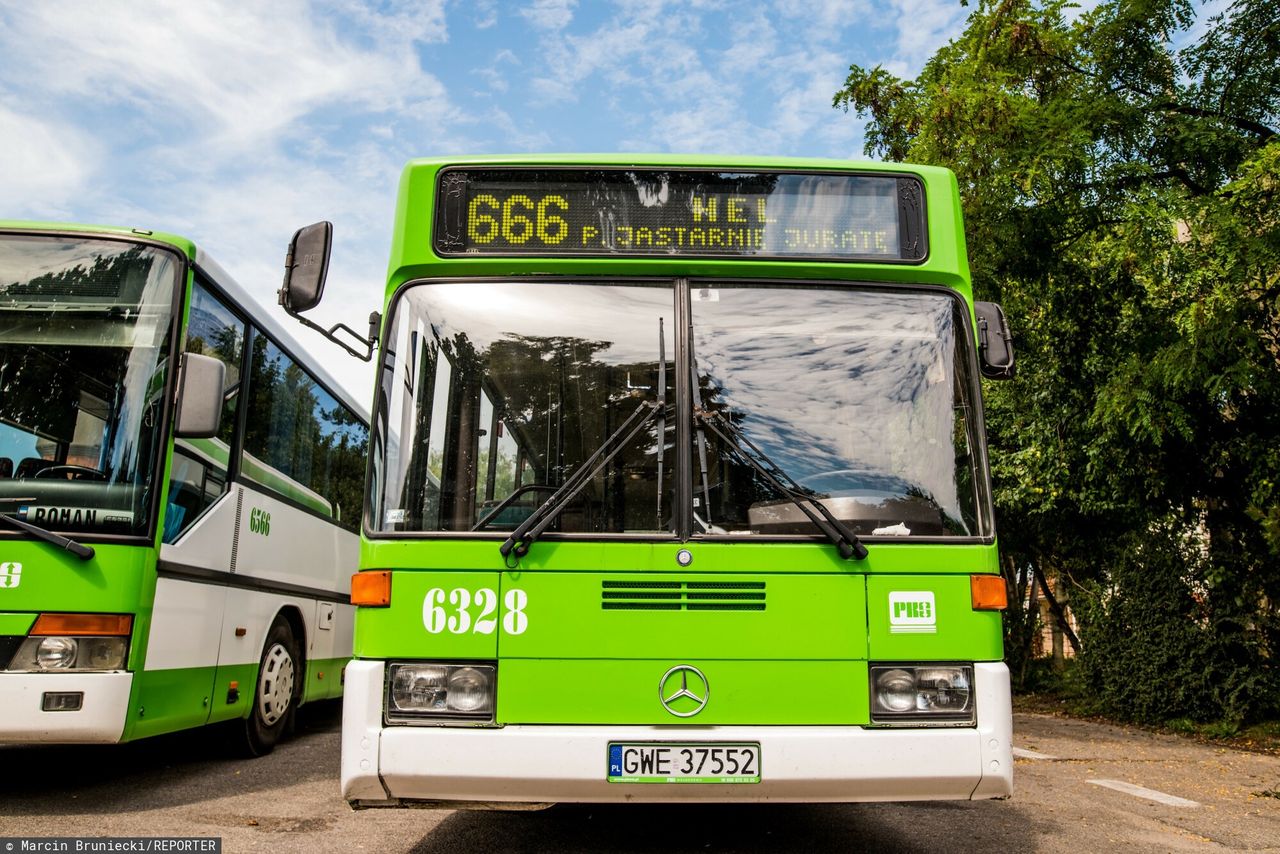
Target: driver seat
x,y
30,465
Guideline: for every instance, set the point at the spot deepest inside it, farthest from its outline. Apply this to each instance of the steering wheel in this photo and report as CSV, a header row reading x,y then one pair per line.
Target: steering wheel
x,y
70,472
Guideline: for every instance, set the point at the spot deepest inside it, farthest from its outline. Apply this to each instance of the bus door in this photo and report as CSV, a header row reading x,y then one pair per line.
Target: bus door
x,y
199,519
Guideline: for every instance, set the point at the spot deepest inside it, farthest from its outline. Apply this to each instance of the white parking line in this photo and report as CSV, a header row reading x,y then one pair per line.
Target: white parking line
x,y
1149,794
1023,753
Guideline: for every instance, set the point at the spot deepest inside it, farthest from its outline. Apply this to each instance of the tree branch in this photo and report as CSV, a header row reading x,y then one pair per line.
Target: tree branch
x,y
1058,614
1249,125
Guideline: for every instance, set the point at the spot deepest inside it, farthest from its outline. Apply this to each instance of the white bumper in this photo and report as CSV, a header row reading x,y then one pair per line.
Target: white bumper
x,y
400,765
100,718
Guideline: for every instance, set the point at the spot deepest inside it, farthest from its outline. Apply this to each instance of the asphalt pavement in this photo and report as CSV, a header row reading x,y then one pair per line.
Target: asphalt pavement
x,y
1079,787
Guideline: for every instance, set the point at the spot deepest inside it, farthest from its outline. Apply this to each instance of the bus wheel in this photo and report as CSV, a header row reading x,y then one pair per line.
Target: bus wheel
x,y
276,691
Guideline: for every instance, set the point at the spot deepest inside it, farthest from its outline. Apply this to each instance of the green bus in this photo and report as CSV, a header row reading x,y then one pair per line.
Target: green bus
x,y
179,496
678,489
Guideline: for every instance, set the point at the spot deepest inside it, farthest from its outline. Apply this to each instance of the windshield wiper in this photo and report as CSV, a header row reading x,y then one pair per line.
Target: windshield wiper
x,y
81,551
845,540
533,527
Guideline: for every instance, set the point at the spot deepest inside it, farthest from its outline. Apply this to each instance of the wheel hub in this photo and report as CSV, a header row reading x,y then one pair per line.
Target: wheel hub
x,y
275,684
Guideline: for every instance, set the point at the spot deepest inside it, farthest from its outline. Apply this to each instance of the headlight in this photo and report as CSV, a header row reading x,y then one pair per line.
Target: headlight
x,y
441,693
896,690
922,693
57,653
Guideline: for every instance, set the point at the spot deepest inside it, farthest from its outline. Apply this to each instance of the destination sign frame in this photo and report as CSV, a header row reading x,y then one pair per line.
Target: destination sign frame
x,y
680,213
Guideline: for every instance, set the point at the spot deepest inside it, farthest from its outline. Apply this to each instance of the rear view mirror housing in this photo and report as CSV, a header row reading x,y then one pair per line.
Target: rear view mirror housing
x,y
200,397
995,344
306,266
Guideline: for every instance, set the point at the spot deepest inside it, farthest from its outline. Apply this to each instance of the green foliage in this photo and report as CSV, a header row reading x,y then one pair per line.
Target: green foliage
x,y
1119,180
1157,650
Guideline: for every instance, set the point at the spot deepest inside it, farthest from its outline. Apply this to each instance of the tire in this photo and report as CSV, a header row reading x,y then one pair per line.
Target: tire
x,y
276,691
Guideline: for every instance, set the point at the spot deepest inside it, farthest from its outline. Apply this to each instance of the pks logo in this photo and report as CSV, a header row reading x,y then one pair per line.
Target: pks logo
x,y
10,574
912,612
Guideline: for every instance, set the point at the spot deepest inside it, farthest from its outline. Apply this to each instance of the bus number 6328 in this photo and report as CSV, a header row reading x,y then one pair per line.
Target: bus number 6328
x,y
460,610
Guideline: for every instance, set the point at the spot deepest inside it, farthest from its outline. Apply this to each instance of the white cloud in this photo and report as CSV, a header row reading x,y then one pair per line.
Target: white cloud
x,y
239,76
754,44
609,50
484,13
754,84
45,165
394,21
824,21
924,26
550,14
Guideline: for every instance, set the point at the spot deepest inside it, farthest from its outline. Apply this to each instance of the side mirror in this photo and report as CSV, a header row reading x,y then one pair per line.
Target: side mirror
x,y
304,270
200,397
995,344
306,266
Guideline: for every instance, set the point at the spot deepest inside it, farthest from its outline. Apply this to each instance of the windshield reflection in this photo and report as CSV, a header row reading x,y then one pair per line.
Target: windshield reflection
x,y
861,397
494,393
85,327
498,389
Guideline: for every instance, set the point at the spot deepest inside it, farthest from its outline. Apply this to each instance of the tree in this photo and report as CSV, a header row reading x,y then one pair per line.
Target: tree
x,y
1119,181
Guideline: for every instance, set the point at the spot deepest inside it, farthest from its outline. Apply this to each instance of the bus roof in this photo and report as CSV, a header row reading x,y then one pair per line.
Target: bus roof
x,y
694,161
219,276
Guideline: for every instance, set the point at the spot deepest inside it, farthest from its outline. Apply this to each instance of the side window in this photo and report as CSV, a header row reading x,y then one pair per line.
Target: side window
x,y
300,441
198,475
344,446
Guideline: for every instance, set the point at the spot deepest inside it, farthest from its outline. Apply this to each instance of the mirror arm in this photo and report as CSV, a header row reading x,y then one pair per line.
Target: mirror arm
x,y
369,344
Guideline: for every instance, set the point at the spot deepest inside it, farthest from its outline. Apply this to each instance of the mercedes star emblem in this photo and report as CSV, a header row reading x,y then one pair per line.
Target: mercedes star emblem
x,y
684,681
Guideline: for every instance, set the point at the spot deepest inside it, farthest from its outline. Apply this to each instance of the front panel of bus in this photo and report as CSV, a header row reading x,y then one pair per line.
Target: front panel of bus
x,y
678,491
87,325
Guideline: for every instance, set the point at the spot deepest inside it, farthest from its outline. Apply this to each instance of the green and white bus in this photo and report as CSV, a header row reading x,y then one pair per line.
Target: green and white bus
x,y
678,490
179,496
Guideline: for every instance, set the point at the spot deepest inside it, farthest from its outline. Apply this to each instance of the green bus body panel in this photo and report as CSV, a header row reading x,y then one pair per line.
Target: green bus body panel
x,y
172,700
590,691
16,625
113,581
585,555
400,630
803,617
324,679
118,579
245,676
960,633
169,700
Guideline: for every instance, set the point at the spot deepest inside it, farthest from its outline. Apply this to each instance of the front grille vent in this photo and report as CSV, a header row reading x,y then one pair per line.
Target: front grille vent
x,y
682,595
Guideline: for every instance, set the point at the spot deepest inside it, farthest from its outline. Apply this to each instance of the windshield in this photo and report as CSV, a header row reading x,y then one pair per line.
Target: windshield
x,y
494,393
863,399
85,326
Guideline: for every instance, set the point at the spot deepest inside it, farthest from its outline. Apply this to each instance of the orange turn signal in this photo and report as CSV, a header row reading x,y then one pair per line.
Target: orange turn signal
x,y
106,625
371,589
988,593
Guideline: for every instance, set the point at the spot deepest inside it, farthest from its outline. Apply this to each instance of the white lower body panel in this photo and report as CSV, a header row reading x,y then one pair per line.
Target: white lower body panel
x,y
383,766
100,719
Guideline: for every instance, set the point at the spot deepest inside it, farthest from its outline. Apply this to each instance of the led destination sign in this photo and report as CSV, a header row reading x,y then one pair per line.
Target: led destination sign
x,y
658,212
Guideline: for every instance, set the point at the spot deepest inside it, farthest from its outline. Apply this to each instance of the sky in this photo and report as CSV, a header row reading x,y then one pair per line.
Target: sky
x,y
234,123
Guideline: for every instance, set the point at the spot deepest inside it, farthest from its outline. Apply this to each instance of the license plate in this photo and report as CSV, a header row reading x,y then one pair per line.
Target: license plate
x,y
666,762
